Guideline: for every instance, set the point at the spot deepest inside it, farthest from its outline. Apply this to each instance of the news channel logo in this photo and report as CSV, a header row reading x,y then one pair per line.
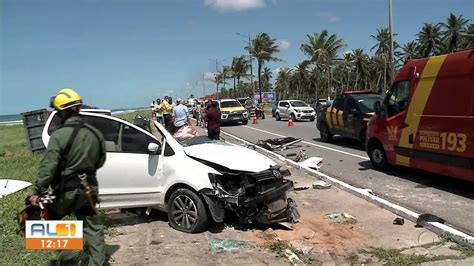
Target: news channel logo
x,y
54,234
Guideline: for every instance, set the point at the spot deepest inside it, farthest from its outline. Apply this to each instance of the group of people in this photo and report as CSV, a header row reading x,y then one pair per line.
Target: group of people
x,y
174,116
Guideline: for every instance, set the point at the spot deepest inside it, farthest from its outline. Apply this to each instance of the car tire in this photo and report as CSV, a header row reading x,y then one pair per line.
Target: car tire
x,y
263,116
245,122
185,205
326,136
311,119
377,155
278,118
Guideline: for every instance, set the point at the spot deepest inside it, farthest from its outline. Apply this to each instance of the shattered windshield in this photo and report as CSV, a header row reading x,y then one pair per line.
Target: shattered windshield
x,y
298,104
200,140
230,104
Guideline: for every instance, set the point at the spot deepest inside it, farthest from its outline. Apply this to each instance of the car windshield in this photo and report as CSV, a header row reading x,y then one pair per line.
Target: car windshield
x,y
230,104
298,104
366,104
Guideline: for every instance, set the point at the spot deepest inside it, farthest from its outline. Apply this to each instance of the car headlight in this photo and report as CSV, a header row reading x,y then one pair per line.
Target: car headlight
x,y
297,111
245,114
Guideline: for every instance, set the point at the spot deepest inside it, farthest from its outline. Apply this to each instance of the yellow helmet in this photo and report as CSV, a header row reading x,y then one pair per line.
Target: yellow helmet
x,y
66,98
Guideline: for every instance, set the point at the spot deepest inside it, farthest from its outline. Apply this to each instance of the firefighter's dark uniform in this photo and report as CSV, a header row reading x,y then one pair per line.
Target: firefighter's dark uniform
x,y
86,155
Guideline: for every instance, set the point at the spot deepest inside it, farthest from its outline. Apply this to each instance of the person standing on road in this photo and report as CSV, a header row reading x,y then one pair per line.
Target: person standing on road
x,y
166,107
248,106
180,115
75,151
152,107
159,111
213,118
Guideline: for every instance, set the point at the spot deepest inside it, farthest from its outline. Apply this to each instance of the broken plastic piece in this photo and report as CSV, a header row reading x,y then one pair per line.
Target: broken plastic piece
x,y
321,185
8,186
341,218
312,162
227,244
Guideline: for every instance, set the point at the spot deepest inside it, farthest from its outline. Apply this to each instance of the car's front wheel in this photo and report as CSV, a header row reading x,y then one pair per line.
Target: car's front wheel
x,y
245,122
186,211
278,118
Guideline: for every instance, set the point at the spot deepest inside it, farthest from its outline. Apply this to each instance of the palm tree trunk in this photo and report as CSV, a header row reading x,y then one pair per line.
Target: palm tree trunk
x,y
235,93
259,81
238,82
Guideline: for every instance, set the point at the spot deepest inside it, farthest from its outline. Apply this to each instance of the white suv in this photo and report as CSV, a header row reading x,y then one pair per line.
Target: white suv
x,y
193,181
295,109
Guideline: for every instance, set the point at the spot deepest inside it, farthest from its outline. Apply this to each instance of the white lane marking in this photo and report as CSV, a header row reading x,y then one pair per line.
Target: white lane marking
x,y
312,144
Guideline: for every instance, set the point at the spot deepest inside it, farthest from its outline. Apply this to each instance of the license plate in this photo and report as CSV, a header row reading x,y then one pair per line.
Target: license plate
x,y
235,118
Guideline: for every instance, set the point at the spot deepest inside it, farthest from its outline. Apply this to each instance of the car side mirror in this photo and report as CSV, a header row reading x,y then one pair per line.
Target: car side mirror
x,y
153,148
378,108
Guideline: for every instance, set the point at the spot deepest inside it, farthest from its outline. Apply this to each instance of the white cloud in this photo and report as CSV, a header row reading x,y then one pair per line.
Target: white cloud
x,y
234,5
283,45
329,17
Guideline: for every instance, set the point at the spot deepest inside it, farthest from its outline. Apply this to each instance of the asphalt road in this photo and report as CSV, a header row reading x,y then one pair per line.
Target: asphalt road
x,y
344,159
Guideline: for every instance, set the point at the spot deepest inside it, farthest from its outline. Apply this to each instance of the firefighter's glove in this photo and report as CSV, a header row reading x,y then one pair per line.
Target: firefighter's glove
x,y
40,201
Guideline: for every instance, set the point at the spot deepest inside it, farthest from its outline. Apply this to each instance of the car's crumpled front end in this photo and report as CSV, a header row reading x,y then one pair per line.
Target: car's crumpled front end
x,y
251,198
246,187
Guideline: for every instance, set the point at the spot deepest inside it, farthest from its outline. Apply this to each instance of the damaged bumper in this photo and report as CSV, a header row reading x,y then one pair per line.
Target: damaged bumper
x,y
252,197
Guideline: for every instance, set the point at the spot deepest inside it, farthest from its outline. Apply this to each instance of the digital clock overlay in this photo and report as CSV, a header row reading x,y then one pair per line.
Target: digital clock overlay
x,y
54,235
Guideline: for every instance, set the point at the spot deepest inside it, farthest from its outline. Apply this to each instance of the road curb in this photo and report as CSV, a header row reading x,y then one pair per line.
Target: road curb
x,y
438,228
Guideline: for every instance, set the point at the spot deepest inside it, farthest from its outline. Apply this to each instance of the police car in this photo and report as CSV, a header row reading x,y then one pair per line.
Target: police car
x,y
347,116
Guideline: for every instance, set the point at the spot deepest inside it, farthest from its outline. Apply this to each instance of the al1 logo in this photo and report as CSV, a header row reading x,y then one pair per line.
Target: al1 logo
x,y
59,235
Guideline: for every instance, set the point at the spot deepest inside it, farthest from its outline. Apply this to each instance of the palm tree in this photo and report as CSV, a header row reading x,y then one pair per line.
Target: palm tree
x,y
468,40
411,50
430,39
454,30
282,82
263,47
226,73
383,42
239,66
301,73
267,77
360,61
321,48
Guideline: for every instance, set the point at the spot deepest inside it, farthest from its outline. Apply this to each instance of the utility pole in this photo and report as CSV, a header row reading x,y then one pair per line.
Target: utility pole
x,y
250,60
203,85
390,25
217,81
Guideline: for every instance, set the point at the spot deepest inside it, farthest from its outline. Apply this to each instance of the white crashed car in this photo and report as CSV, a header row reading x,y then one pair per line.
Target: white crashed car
x,y
194,182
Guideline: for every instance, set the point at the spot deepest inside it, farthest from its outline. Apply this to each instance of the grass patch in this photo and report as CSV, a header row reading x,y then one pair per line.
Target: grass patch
x,y
396,257
129,116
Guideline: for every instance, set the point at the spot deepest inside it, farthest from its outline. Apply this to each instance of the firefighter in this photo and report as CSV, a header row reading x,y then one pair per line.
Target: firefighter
x,y
75,151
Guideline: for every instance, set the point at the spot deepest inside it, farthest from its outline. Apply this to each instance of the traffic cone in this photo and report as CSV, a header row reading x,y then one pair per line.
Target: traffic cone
x,y
290,122
255,120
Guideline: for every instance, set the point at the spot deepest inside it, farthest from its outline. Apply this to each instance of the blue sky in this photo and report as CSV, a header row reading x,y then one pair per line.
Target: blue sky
x,y
124,53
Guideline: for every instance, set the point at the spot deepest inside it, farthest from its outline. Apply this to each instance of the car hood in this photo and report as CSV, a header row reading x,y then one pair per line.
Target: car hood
x,y
232,109
230,156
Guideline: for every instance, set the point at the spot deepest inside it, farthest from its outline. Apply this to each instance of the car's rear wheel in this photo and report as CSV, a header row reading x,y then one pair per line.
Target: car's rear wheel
x,y
377,155
278,118
326,136
186,211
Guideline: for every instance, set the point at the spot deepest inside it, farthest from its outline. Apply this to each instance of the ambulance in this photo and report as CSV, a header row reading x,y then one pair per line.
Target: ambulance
x,y
426,120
